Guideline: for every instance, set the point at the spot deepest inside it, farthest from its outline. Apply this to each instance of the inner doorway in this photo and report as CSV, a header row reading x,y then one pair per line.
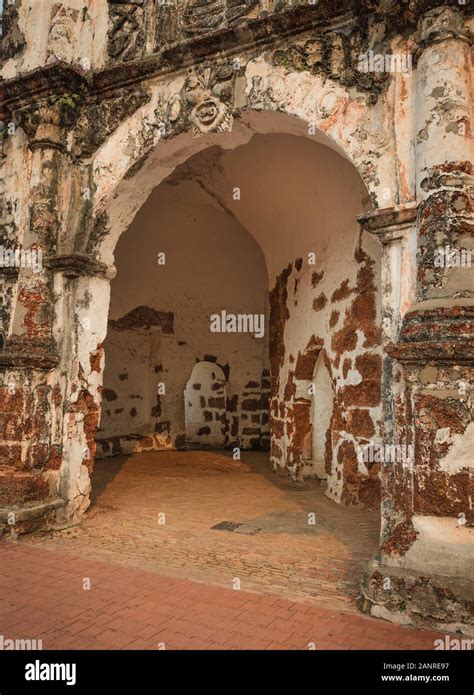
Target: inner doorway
x,y
205,406
322,410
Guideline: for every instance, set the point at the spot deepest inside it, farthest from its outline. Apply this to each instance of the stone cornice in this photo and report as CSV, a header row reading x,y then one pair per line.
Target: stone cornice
x,y
61,78
75,265
50,101
37,86
263,32
422,353
389,219
224,42
28,354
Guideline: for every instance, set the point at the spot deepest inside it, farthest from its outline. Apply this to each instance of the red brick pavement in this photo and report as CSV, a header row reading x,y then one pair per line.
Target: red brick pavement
x,y
42,597
195,490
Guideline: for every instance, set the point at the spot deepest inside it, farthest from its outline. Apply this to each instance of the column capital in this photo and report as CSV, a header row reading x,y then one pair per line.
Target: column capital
x,y
442,22
45,103
389,223
76,265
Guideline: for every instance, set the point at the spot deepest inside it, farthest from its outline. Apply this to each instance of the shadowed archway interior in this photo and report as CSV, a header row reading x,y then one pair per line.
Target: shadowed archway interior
x,y
254,239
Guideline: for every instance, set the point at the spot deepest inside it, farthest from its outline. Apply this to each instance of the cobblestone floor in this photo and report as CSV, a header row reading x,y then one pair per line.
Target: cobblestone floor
x,y
276,581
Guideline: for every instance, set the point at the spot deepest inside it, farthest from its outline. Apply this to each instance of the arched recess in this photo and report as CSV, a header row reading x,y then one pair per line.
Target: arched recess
x,y
321,416
121,193
125,172
205,399
339,310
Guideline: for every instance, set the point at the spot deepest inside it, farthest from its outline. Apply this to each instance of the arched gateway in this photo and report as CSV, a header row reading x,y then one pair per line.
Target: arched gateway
x,y
107,100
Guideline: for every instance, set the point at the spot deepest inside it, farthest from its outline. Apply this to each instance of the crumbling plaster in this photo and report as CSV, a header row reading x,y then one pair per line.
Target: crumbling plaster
x,y
98,118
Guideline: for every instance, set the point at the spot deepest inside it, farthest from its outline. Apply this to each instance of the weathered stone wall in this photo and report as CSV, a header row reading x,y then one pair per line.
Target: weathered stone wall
x,y
184,258
345,330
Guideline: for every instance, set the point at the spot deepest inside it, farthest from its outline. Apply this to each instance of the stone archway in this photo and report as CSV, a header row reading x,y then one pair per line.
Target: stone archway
x,y
86,148
318,292
335,298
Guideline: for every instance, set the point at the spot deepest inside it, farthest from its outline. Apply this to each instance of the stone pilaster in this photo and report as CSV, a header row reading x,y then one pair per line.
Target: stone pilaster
x,y
423,572
41,107
396,229
31,359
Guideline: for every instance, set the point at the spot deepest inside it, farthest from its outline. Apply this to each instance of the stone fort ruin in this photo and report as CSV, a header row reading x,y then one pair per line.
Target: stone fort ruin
x,y
166,161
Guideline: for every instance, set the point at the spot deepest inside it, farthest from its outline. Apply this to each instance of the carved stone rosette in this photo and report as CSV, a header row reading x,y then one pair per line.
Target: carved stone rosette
x,y
208,96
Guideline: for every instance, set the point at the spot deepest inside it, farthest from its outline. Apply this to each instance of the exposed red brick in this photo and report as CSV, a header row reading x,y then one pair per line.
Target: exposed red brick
x,y
19,488
346,367
401,539
369,366
345,340
316,278
320,302
55,459
360,424
347,457
38,315
11,402
95,358
302,430
364,307
306,361
250,404
278,316
367,393
277,428
10,454
38,455
342,292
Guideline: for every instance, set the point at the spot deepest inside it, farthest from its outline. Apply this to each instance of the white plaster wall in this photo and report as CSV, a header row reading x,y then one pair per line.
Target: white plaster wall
x,y
296,196
126,398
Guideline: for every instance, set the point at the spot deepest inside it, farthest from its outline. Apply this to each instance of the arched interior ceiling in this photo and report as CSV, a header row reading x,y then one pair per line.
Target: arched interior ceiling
x,y
182,151
291,193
